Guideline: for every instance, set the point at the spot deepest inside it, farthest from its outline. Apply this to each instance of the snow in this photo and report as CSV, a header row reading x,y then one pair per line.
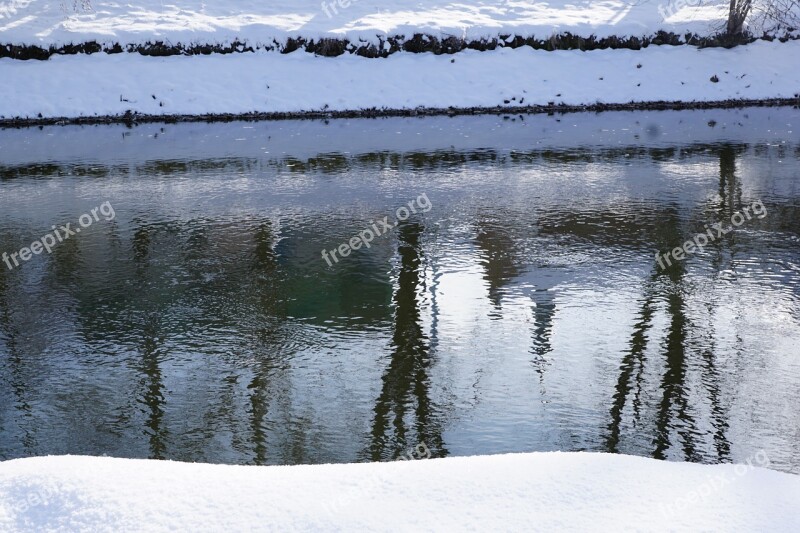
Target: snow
x,y
519,492
47,22
100,84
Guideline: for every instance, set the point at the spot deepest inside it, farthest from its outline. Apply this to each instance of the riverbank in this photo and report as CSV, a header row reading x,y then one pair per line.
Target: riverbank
x,y
261,25
131,88
543,491
132,119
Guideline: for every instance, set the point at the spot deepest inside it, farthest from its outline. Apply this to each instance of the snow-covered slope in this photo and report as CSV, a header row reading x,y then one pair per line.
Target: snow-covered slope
x,y
45,22
100,84
521,492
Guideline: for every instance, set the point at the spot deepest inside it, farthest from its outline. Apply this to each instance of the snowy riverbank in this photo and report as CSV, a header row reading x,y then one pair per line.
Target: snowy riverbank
x,y
256,79
261,23
113,85
521,492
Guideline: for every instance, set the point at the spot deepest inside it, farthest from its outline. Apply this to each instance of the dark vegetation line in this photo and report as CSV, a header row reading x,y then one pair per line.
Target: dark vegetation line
x,y
132,118
418,43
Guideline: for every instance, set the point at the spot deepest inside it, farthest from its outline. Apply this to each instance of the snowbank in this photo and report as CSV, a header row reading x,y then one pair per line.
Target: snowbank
x,y
45,22
100,84
103,84
520,492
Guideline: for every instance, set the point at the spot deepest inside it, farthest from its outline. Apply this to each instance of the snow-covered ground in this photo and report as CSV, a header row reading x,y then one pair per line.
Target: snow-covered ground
x,y
100,84
269,82
520,492
46,22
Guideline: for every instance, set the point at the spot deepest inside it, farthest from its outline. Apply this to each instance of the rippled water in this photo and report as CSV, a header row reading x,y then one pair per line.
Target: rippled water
x,y
524,311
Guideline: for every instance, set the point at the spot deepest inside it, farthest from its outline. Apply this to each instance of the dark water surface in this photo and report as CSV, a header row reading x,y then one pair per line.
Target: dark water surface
x,y
524,311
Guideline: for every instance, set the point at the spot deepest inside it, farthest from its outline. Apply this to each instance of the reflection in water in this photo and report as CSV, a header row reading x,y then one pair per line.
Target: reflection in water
x,y
500,262
544,315
406,380
153,397
264,272
13,374
632,365
525,311
674,401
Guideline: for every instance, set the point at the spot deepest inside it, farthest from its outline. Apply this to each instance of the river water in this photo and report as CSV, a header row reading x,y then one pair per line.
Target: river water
x,y
521,308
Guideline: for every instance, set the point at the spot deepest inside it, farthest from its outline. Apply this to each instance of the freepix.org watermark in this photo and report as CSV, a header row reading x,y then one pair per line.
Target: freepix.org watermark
x,y
35,499
377,229
362,491
701,240
714,484
58,235
673,7
327,7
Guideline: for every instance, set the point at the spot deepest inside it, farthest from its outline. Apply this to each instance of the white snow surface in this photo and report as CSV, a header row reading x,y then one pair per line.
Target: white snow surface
x,y
100,84
518,492
46,22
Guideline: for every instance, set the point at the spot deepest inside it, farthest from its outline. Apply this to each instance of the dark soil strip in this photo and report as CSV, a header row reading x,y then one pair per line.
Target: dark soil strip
x,y
131,119
418,43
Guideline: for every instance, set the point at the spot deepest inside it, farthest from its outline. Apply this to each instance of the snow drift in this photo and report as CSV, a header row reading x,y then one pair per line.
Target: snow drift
x,y
217,21
520,492
101,84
